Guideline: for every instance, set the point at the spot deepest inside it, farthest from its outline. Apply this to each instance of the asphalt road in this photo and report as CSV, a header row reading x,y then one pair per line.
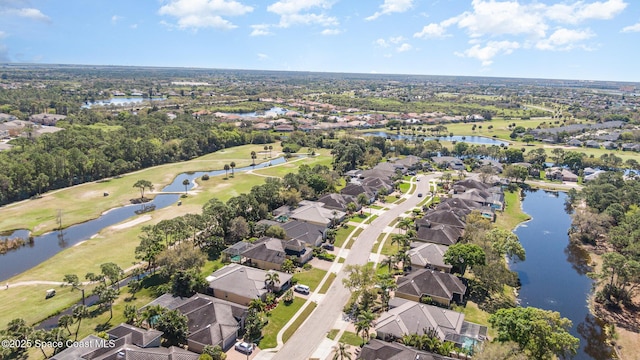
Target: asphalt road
x,y
307,338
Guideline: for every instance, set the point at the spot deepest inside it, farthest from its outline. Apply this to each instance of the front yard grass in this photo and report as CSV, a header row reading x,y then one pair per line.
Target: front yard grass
x,y
354,238
332,333
351,338
342,234
298,321
278,318
358,218
327,284
379,242
311,278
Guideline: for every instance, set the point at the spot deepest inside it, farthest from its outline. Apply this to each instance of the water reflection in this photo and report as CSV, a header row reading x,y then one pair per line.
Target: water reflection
x,y
579,258
592,331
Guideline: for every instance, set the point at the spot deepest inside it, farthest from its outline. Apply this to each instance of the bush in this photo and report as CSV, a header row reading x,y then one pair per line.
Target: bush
x,y
327,256
307,266
205,177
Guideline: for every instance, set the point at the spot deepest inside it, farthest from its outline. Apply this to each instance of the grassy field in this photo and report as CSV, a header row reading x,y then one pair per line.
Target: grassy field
x,y
86,201
512,215
350,338
323,157
310,278
327,284
342,234
358,218
298,321
278,318
354,238
113,244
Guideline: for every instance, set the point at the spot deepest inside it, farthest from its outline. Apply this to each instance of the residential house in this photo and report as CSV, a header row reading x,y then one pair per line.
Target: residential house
x,y
355,189
442,288
284,128
315,212
338,201
241,284
378,350
309,233
143,338
211,321
438,233
593,175
610,145
270,253
46,119
429,256
97,348
442,217
630,147
449,162
234,252
560,174
411,162
378,184
592,144
574,142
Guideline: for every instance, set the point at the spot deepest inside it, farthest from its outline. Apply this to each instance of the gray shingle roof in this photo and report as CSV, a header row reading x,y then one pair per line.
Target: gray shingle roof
x,y
430,283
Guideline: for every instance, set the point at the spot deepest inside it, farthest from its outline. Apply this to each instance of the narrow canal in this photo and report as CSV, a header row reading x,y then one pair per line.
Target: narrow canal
x,y
45,246
554,274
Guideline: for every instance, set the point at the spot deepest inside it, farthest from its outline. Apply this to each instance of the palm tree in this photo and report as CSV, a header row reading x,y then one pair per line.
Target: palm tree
x,y
271,278
79,312
233,167
364,324
405,224
257,306
341,352
186,183
253,158
402,240
152,313
388,261
65,321
270,148
445,348
265,151
131,314
226,170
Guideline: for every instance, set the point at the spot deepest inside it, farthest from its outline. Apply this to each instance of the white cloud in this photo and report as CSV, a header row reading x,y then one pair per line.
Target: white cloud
x,y
632,28
494,26
382,42
564,39
579,11
490,50
133,26
392,6
262,56
197,14
260,30
331,32
389,41
29,13
298,12
116,18
432,31
404,47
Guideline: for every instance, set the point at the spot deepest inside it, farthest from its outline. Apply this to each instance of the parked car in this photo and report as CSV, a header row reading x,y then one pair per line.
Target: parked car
x,y
50,293
244,347
303,289
419,194
328,246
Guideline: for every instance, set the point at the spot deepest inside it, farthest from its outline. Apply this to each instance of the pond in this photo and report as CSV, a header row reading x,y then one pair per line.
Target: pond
x,y
118,101
274,111
553,275
45,246
480,140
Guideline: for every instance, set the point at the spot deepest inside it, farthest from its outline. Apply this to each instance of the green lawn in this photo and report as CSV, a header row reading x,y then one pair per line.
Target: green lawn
x,y
296,324
512,215
351,338
390,199
278,318
342,234
404,187
280,170
353,238
327,284
474,314
86,201
370,219
310,278
358,218
332,333
388,248
341,260
378,242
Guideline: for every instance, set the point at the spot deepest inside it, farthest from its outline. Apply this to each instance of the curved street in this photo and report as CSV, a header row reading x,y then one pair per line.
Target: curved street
x,y
310,335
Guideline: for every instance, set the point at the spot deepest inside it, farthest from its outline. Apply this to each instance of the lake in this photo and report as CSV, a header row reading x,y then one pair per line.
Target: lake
x,y
554,274
119,101
273,112
481,140
45,246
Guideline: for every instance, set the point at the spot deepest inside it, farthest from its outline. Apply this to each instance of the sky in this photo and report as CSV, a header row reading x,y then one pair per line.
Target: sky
x,y
555,39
